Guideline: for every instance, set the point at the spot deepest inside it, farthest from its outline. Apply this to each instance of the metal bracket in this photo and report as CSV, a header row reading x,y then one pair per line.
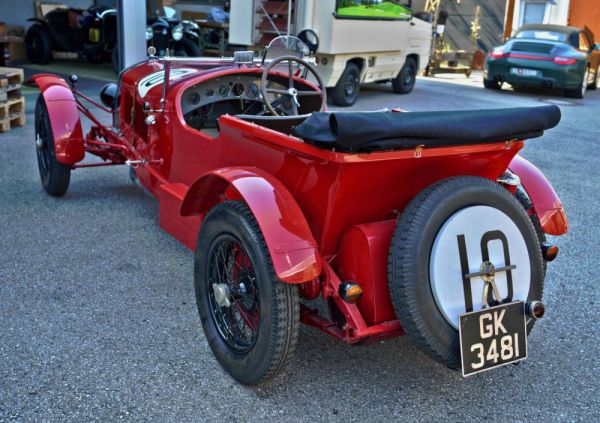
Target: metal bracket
x,y
135,163
487,272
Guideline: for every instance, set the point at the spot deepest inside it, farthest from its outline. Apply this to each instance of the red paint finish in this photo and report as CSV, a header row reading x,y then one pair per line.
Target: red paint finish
x,y
64,118
293,249
325,216
363,258
545,201
183,228
355,329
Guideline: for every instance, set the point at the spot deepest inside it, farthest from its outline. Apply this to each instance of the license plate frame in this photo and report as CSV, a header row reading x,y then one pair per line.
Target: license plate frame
x,y
525,72
480,330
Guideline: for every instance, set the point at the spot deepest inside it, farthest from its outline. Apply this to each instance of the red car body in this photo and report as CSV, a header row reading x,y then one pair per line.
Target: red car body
x,y
322,216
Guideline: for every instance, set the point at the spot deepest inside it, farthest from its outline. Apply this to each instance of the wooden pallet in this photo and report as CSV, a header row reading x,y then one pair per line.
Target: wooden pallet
x,y
9,93
6,125
11,77
12,113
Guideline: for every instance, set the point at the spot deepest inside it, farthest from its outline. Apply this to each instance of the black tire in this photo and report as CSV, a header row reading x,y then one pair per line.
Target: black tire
x,y
346,90
491,84
406,79
277,318
523,198
411,250
55,176
114,58
580,91
594,85
187,48
38,45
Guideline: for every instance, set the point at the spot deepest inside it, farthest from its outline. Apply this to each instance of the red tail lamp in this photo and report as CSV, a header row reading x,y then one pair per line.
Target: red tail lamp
x,y
559,60
549,251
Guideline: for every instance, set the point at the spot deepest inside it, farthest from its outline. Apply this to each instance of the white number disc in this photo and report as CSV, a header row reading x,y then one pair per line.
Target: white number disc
x,y
445,271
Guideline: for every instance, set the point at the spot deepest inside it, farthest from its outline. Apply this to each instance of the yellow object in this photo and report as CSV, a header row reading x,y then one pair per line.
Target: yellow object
x,y
94,35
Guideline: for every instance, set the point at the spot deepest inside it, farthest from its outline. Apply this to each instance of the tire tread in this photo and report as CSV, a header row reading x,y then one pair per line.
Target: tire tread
x,y
286,304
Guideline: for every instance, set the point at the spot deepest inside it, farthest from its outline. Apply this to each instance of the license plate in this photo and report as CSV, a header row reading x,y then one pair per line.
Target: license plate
x,y
492,337
94,35
525,72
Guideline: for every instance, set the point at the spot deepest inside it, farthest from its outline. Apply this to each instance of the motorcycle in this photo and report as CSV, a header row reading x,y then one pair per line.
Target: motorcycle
x,y
90,33
167,32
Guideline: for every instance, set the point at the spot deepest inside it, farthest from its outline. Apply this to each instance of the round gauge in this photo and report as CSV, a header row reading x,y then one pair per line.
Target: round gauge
x,y
223,90
193,98
210,92
252,90
238,89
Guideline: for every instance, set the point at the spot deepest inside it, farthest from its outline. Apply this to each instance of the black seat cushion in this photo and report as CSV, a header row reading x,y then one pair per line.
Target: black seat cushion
x,y
367,131
276,123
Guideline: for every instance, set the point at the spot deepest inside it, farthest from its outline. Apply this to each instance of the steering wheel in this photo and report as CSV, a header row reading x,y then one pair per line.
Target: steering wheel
x,y
291,90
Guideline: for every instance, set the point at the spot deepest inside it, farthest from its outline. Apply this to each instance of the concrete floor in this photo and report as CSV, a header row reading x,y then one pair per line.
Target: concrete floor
x,y
98,319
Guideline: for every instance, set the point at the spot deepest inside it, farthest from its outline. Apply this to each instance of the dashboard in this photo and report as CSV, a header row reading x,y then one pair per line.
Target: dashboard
x,y
232,87
238,94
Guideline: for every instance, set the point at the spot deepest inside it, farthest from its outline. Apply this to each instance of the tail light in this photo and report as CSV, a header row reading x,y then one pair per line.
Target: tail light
x,y
560,60
498,53
549,251
350,292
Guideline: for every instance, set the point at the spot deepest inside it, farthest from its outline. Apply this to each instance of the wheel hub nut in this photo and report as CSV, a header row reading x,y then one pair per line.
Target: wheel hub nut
x,y
221,291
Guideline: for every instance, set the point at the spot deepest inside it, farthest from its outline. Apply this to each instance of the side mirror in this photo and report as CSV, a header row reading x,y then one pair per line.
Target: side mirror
x,y
108,95
596,47
310,38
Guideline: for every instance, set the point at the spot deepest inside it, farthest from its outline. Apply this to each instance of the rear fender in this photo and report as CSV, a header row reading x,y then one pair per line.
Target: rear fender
x,y
291,244
546,203
64,117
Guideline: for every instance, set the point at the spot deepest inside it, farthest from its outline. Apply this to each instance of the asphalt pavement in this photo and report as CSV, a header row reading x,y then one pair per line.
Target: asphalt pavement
x,y
98,319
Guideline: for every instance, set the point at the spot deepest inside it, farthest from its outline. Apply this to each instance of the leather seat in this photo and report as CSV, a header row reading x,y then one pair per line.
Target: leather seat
x,y
283,124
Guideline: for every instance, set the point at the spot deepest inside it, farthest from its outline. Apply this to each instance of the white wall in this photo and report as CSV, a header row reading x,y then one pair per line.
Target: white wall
x,y
16,12
557,12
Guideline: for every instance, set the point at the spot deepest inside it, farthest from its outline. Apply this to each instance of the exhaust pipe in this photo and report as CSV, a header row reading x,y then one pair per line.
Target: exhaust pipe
x,y
535,309
548,84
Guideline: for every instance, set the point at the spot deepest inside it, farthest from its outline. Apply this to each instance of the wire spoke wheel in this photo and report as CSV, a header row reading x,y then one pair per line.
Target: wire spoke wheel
x,y
234,294
250,318
41,144
55,176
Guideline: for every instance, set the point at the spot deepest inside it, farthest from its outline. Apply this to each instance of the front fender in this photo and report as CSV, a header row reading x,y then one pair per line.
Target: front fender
x,y
64,117
292,247
546,203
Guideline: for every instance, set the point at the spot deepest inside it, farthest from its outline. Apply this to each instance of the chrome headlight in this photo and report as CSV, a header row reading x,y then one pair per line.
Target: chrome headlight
x,y
177,32
149,34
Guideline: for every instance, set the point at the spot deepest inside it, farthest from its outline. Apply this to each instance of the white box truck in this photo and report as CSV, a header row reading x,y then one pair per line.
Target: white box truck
x,y
359,41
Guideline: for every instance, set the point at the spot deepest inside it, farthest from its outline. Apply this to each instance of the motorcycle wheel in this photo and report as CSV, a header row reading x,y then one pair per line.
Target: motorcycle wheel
x,y
38,45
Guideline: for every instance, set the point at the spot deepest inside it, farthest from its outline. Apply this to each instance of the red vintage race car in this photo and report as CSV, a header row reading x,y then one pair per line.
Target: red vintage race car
x,y
424,224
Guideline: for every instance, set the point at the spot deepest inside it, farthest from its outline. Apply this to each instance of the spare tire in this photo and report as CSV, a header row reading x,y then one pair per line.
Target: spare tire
x,y
454,225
